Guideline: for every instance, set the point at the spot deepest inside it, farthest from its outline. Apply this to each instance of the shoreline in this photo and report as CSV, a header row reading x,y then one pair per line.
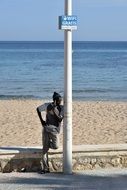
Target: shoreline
x,y
20,98
94,122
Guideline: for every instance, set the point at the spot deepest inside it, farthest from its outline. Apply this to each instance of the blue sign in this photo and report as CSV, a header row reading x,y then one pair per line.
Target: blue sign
x,y
68,22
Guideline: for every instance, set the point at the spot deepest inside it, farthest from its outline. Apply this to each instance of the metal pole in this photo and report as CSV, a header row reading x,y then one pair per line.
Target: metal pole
x,y
67,131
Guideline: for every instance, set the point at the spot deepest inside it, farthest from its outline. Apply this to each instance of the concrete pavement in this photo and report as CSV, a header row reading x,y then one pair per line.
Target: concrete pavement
x,y
115,179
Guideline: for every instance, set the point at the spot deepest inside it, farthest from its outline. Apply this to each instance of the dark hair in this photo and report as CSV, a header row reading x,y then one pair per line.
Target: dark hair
x,y
56,96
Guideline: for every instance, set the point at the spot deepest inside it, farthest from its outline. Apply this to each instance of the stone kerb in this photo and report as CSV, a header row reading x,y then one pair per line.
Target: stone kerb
x,y
84,157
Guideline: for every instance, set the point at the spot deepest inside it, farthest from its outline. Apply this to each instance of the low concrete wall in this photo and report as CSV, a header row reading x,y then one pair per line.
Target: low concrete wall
x,y
84,157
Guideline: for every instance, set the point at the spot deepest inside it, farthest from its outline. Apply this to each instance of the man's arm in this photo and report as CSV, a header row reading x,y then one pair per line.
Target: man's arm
x,y
40,117
58,114
54,111
39,110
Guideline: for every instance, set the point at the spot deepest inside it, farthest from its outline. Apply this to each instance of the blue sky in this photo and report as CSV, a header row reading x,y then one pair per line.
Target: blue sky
x,y
98,20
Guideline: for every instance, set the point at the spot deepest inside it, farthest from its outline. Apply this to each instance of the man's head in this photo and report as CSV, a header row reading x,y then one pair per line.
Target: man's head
x,y
57,98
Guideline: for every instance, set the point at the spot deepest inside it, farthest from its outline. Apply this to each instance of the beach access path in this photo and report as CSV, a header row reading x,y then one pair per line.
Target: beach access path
x,y
115,179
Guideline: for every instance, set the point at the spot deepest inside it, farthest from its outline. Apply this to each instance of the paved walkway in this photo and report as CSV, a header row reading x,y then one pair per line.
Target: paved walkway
x,y
88,180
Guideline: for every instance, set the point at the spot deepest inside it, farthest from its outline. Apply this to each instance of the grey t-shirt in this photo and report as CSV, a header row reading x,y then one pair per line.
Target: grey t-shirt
x,y
54,116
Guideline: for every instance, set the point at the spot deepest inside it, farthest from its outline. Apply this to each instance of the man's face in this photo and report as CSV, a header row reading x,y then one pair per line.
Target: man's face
x,y
58,101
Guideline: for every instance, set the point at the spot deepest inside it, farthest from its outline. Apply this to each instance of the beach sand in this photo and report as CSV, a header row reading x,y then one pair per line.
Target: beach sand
x,y
93,123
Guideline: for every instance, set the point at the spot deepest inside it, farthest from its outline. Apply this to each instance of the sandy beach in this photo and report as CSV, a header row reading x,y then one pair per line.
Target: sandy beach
x,y
93,123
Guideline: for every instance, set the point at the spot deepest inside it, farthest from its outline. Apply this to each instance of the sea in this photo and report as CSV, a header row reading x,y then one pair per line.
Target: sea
x,y
35,69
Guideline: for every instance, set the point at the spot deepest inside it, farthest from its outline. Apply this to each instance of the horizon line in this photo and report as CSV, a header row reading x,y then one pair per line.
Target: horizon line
x,y
63,41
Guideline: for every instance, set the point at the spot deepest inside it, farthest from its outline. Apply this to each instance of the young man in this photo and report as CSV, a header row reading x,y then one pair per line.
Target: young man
x,y
51,128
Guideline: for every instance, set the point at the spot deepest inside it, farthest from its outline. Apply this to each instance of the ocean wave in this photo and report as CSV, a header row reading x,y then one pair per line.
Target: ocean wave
x,y
90,91
99,51
32,50
7,97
